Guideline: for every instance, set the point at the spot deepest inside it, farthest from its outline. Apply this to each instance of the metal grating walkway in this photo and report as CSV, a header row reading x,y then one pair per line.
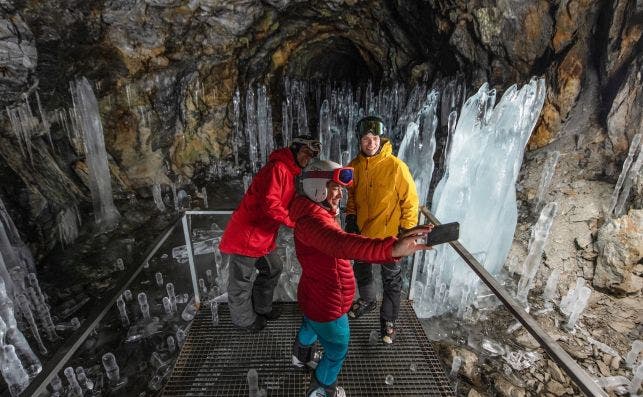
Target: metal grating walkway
x,y
214,361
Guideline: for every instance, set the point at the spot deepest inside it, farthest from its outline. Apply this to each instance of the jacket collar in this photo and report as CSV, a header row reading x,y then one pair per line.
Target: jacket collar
x,y
385,151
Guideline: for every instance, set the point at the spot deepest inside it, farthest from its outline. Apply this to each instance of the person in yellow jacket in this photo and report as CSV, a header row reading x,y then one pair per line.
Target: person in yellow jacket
x,y
382,202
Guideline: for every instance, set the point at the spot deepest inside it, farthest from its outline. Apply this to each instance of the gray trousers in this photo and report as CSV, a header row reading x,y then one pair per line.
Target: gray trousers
x,y
247,295
392,287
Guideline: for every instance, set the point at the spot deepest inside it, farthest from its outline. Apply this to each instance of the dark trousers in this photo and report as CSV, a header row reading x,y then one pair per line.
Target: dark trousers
x,y
247,295
392,287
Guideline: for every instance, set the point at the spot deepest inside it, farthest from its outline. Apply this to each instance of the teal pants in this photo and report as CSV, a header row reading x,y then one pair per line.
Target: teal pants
x,y
333,336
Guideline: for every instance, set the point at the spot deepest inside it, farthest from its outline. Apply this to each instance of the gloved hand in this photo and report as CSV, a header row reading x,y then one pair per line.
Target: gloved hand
x,y
351,224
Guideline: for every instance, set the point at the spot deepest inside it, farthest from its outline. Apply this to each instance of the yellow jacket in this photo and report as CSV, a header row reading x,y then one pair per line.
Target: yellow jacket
x,y
383,194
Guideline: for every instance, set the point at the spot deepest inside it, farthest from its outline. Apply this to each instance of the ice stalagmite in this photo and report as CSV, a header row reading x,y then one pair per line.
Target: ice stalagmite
x,y
548,172
536,246
86,105
630,172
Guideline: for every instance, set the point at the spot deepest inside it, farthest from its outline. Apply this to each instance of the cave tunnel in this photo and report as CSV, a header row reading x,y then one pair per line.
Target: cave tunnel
x,y
120,116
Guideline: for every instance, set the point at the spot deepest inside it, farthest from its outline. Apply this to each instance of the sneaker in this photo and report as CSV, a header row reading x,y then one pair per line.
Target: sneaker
x,y
272,314
305,356
388,331
317,390
258,325
360,307
336,391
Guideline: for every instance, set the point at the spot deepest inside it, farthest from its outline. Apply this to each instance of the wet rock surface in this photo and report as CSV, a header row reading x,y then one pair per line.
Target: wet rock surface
x,y
165,73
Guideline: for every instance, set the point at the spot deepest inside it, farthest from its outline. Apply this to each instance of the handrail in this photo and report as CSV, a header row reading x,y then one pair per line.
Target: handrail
x,y
39,384
553,349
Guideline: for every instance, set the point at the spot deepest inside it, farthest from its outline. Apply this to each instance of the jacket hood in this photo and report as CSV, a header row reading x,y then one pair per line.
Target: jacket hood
x,y
303,206
285,156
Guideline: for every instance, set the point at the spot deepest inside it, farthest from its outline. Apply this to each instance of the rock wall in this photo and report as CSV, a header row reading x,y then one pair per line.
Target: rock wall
x,y
165,72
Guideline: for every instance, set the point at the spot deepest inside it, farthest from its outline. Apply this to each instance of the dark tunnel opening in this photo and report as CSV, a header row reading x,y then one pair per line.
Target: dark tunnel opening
x,y
335,59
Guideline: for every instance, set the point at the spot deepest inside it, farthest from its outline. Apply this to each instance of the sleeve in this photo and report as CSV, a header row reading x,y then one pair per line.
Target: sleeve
x,y
408,197
273,204
333,241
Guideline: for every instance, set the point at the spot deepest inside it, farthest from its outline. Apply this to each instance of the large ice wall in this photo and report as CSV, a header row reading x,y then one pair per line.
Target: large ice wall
x,y
478,190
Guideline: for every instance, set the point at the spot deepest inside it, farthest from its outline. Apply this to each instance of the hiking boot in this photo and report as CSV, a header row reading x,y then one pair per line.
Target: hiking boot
x,y
305,356
317,390
361,307
272,314
258,325
387,331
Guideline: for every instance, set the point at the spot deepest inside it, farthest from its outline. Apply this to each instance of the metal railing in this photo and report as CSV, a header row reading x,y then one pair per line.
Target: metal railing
x,y
39,384
553,349
104,304
185,219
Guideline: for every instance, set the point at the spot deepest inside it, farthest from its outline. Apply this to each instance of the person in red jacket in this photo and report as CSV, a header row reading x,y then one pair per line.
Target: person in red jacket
x,y
249,238
327,285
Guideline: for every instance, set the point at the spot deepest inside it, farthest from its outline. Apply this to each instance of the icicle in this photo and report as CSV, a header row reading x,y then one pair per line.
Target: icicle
x,y
236,99
551,288
545,179
537,242
204,193
105,212
45,122
158,197
251,129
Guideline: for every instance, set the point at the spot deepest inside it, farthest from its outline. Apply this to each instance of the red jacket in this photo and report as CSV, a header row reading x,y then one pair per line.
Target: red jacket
x,y
327,285
252,229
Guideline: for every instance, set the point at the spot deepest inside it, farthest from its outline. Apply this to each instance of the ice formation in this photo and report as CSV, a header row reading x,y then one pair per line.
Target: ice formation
x,y
100,183
545,179
629,173
484,155
539,235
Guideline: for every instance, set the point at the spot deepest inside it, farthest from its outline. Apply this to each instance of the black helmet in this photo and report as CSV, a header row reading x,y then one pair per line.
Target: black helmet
x,y
305,140
371,124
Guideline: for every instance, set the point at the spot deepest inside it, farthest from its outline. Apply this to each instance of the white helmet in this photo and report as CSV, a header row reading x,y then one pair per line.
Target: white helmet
x,y
316,176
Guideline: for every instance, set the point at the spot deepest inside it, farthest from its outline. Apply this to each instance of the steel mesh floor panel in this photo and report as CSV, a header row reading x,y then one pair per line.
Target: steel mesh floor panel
x,y
214,361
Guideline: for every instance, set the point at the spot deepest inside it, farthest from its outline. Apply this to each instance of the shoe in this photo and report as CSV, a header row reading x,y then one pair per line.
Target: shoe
x,y
317,390
336,391
387,331
360,307
272,314
258,325
305,356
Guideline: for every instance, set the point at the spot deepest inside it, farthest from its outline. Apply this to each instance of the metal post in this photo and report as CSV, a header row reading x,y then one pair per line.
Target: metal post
x,y
415,263
188,246
553,349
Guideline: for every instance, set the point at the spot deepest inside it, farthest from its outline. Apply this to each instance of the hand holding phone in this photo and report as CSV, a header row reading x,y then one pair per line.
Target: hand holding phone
x,y
444,233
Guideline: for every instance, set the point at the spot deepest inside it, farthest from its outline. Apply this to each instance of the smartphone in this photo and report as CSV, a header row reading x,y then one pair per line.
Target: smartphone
x,y
443,233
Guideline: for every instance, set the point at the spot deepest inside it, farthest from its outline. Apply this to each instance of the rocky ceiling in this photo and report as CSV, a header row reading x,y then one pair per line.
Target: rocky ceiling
x,y
166,70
